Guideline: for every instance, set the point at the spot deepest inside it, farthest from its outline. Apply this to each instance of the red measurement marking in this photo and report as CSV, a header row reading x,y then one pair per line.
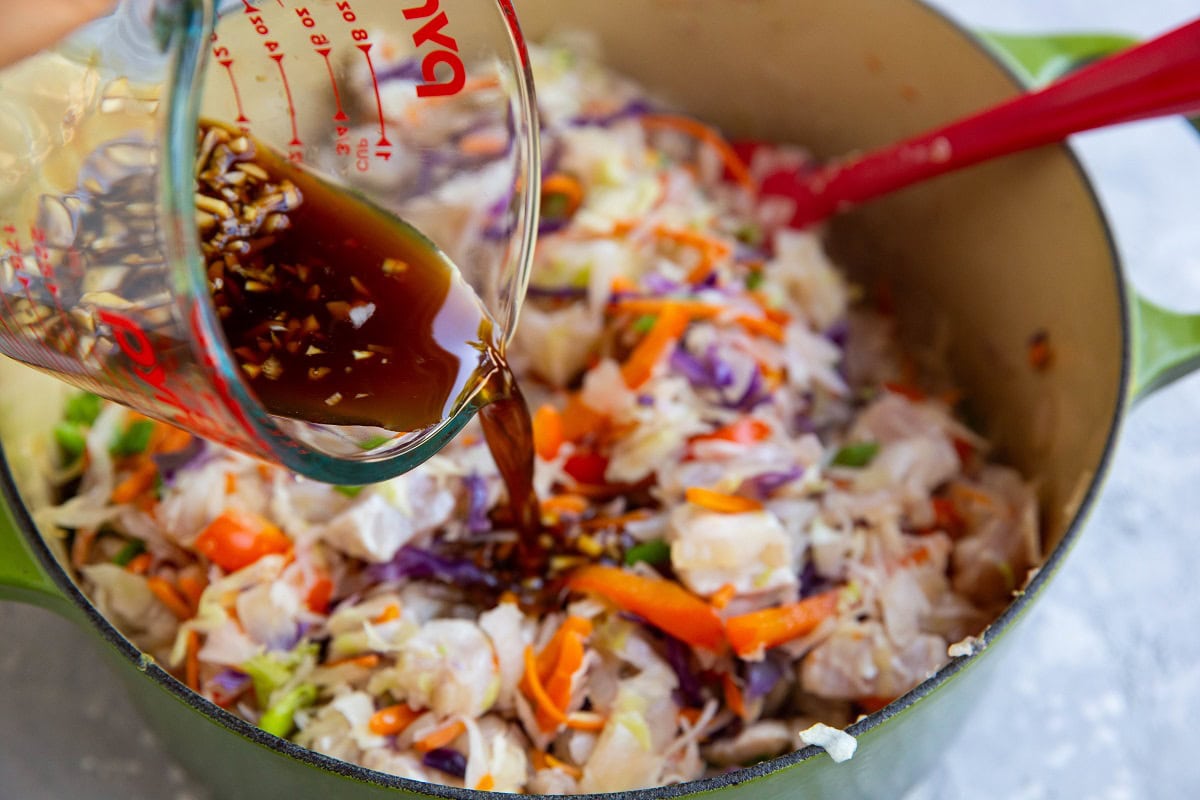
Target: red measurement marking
x,y
510,16
383,140
340,116
287,90
237,96
250,9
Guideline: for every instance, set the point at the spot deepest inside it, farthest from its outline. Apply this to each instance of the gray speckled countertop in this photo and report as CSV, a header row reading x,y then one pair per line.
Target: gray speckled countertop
x,y
1101,701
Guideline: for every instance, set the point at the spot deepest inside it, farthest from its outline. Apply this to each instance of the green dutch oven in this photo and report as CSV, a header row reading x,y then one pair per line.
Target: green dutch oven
x,y
1000,251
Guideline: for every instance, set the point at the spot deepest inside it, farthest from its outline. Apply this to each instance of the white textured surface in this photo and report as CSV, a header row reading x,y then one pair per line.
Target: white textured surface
x,y
1101,701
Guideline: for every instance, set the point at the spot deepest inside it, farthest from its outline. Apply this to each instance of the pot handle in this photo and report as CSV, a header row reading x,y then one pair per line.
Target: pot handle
x,y
1166,344
22,576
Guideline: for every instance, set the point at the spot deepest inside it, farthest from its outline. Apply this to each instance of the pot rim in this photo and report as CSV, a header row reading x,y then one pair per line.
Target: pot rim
x,y
11,497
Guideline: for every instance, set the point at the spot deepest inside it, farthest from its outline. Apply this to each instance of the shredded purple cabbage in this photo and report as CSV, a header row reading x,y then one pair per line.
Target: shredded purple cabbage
x,y
170,463
414,563
407,70
709,372
477,504
811,582
762,676
447,760
231,681
765,484
634,108
287,640
688,693
660,284
645,400
754,395
838,333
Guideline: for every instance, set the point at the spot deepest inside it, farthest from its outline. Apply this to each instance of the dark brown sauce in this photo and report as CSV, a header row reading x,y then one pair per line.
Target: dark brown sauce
x,y
340,314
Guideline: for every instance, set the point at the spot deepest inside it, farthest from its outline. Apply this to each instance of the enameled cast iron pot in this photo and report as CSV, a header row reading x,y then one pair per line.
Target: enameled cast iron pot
x,y
1001,251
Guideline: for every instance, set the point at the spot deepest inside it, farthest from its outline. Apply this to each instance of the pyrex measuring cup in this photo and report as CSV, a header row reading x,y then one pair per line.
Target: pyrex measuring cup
x,y
423,106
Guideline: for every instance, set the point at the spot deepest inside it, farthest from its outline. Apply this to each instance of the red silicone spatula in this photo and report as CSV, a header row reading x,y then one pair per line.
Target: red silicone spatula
x,y
1158,78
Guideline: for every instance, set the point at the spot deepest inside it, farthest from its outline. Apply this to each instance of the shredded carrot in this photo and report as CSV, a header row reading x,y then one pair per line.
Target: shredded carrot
x,y
486,783
238,538
139,564
751,633
169,596
137,482
391,612
661,602
558,684
734,698
746,430
81,547
722,596
231,483
532,684
770,311
168,439
192,587
699,310
586,721
565,504
192,664
566,186
572,770
482,143
622,284
946,517
392,720
580,420
617,521
698,130
906,390
643,306
548,675
440,737
761,327
721,502
547,432
669,326
962,493
319,595
692,715
872,703
366,661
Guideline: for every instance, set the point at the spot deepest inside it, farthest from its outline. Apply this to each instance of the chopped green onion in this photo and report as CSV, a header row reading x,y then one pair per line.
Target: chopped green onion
x,y
644,323
749,234
858,454
655,551
269,671
82,408
374,441
71,440
134,440
132,549
754,280
349,491
280,718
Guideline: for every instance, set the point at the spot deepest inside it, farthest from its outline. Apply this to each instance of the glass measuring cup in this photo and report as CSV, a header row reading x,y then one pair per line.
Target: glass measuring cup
x,y
424,107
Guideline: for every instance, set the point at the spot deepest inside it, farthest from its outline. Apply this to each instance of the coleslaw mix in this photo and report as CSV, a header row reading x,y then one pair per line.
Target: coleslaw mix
x,y
761,515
